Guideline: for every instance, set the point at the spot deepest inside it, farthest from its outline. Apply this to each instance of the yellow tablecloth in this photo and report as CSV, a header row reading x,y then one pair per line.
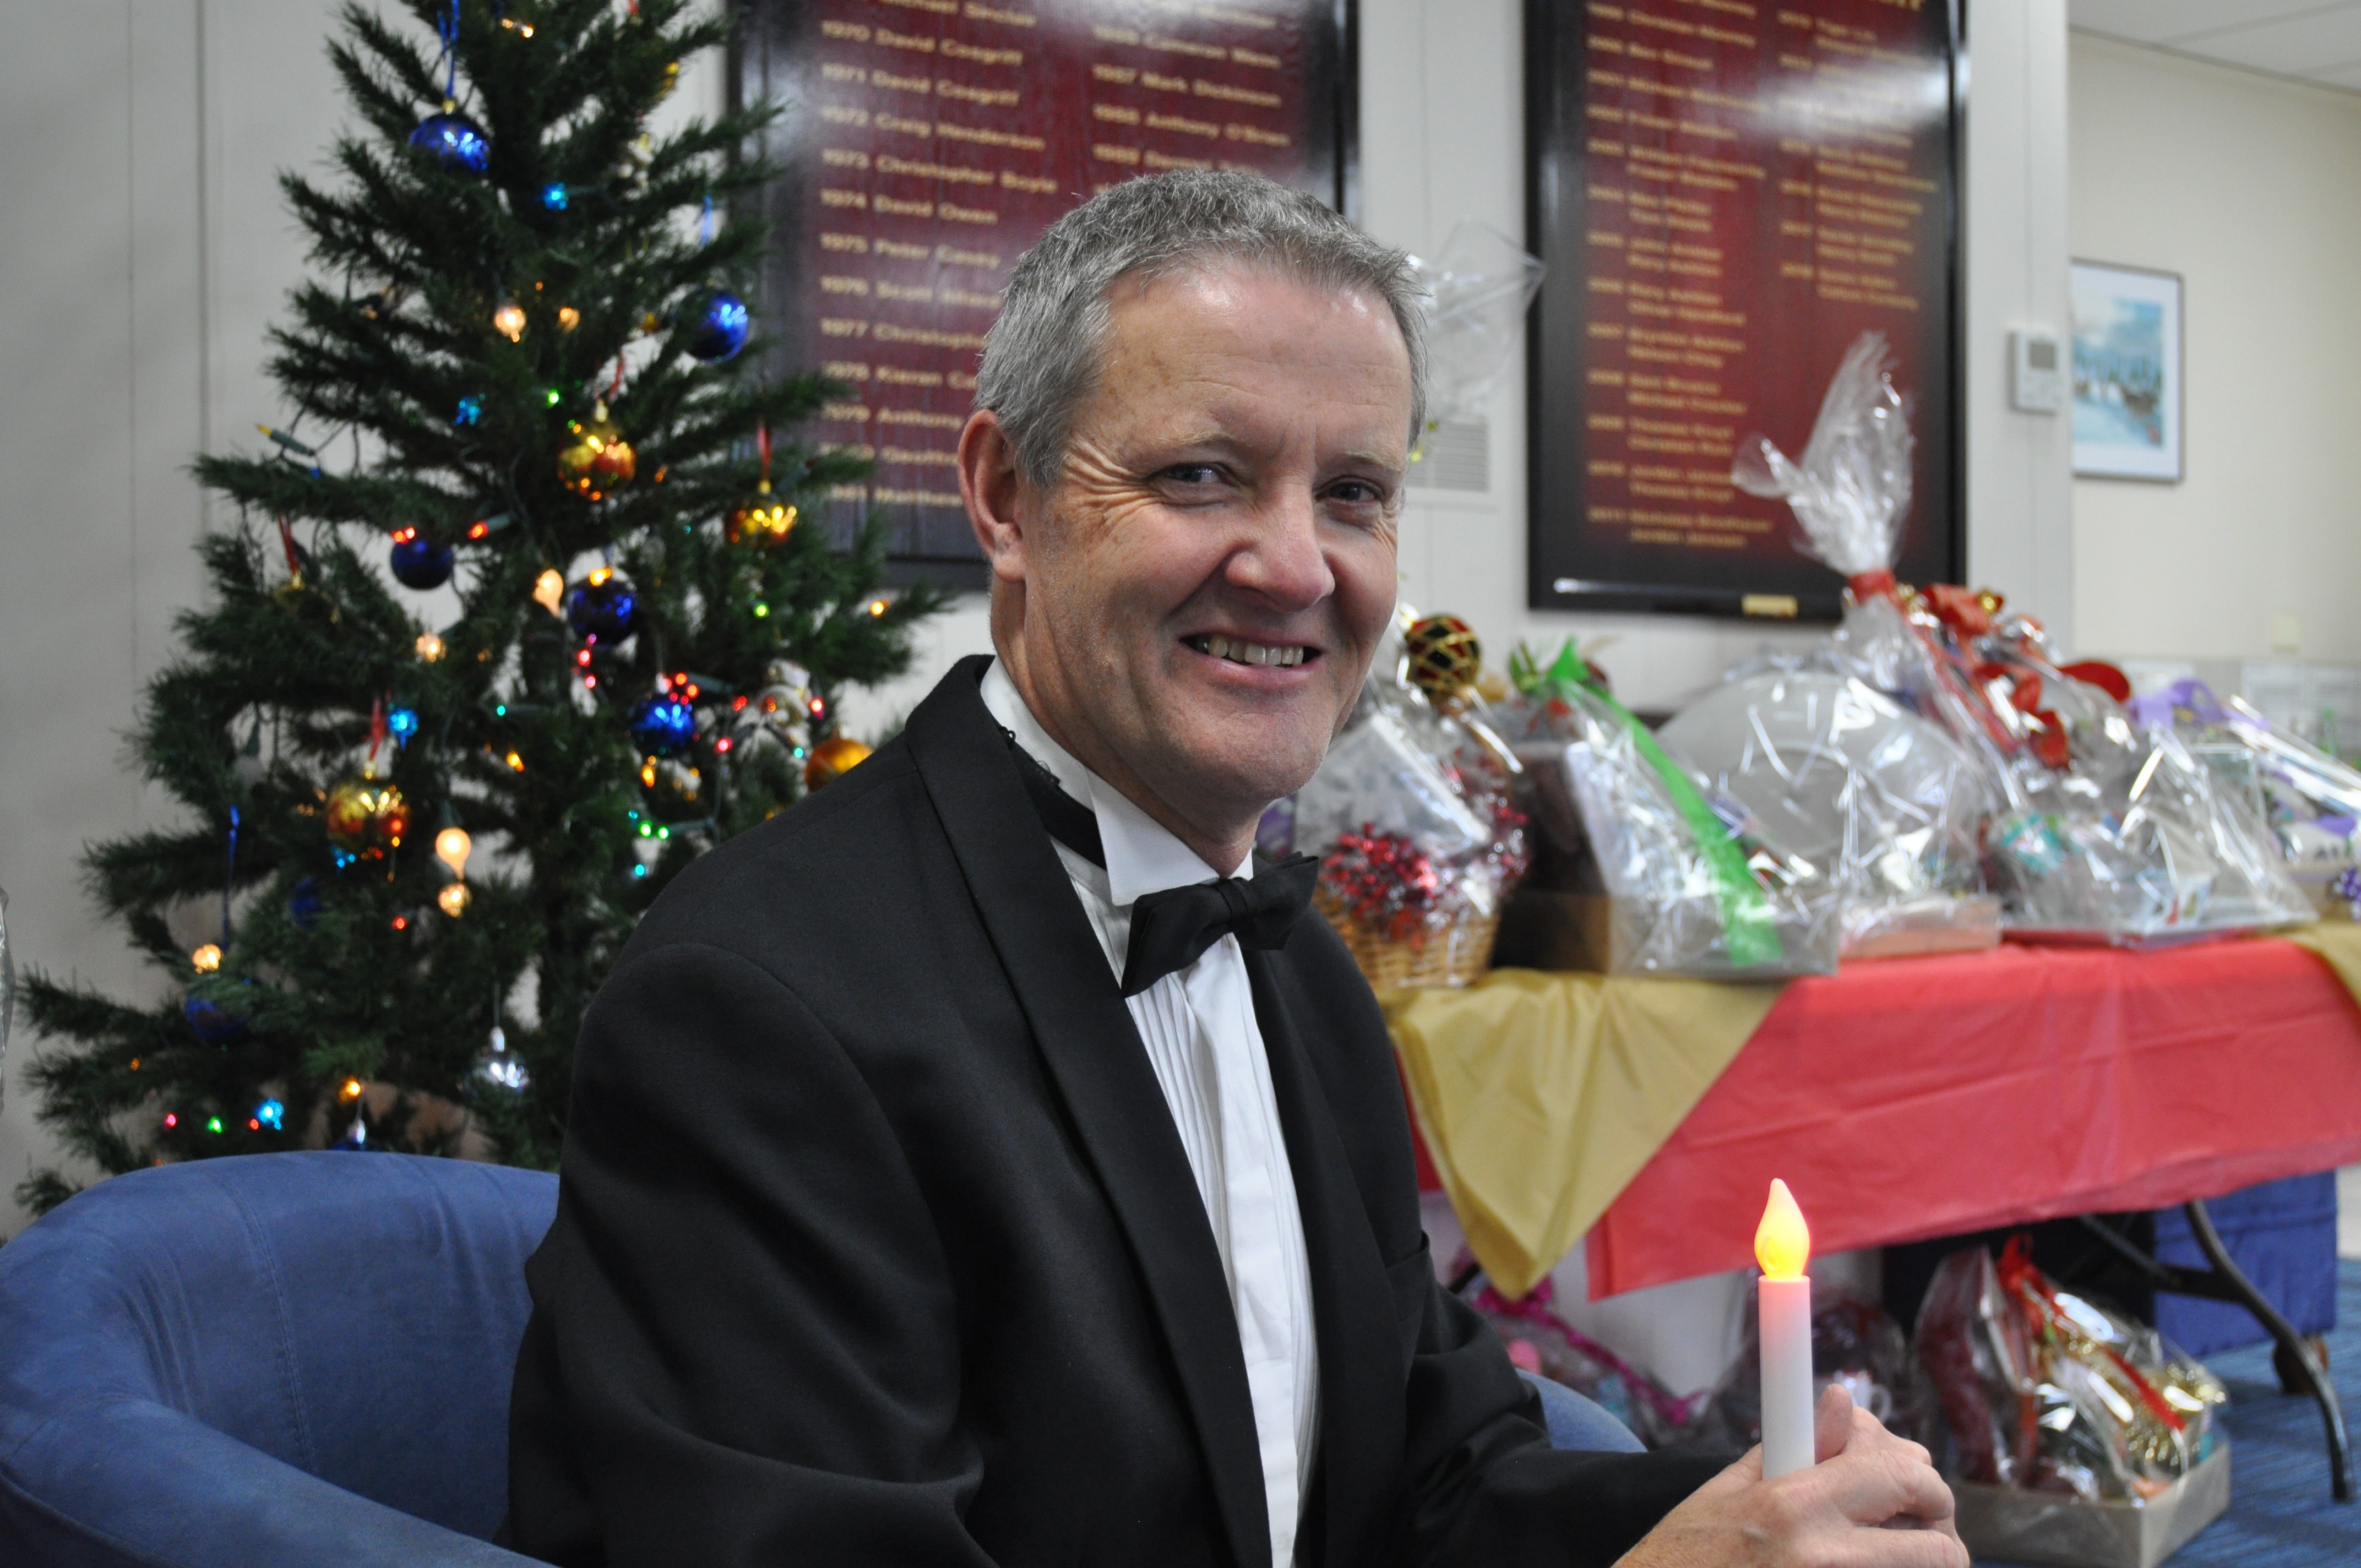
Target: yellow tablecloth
x,y
1584,1075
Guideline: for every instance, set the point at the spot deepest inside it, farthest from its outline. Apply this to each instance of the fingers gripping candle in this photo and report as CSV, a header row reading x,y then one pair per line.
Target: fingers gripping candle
x,y
1783,1245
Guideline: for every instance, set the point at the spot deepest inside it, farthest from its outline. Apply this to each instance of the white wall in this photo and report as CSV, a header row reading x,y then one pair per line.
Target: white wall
x,y
2020,465
143,247
2250,187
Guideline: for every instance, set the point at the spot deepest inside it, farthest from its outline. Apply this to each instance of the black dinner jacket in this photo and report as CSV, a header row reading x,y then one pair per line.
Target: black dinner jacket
x,y
876,1245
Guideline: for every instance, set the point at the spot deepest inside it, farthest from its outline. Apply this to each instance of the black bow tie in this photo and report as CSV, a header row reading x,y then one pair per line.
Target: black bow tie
x,y
1169,930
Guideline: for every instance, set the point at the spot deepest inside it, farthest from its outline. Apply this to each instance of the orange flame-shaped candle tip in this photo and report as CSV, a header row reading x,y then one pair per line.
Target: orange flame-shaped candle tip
x,y
1783,1243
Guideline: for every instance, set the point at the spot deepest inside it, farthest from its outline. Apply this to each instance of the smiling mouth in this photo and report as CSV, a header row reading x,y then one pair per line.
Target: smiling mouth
x,y
1238,651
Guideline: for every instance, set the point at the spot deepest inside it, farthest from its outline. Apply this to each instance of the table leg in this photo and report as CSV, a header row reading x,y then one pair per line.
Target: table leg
x,y
2292,1347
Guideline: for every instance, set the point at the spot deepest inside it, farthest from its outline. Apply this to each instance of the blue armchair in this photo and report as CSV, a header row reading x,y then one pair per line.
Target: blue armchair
x,y
291,1358
280,1359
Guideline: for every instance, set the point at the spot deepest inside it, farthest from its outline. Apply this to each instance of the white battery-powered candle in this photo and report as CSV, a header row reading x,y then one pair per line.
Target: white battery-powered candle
x,y
1783,1245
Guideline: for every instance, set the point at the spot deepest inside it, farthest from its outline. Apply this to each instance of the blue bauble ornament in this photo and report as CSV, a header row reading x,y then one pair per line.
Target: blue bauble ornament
x,y
603,609
304,905
663,724
715,321
419,563
454,141
213,1023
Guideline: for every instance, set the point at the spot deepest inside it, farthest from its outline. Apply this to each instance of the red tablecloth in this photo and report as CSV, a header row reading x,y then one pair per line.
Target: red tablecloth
x,y
1922,1097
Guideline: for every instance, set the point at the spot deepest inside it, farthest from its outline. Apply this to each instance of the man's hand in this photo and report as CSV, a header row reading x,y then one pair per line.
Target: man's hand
x,y
1872,1501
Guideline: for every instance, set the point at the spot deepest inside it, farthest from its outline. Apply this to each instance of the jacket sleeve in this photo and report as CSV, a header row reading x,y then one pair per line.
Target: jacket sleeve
x,y
744,1347
1485,1487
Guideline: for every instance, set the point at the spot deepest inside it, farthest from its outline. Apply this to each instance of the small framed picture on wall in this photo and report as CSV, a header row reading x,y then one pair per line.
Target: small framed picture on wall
x,y
2127,397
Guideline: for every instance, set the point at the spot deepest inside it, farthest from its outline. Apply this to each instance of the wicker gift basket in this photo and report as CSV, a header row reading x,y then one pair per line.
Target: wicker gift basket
x,y
1455,953
1412,818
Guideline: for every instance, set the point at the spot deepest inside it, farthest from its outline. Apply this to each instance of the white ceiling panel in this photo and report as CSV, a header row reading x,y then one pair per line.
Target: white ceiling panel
x,y
2309,40
2326,40
2162,21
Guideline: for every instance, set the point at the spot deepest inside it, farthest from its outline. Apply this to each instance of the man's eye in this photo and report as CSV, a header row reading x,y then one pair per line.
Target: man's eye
x,y
1193,474
1356,492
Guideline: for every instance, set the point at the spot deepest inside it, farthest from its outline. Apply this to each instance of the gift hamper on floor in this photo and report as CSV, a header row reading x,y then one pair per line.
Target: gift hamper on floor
x,y
2072,1435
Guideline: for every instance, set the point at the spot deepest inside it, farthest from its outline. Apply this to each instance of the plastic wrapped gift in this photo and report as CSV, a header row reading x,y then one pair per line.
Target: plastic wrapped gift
x,y
1692,885
1411,815
2175,854
2103,830
2043,1390
1881,798
2311,802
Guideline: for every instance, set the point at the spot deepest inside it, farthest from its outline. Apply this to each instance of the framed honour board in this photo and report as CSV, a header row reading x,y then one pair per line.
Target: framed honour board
x,y
1726,193
924,143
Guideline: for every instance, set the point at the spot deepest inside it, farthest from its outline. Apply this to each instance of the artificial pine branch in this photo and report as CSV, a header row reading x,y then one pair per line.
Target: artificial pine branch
x,y
345,993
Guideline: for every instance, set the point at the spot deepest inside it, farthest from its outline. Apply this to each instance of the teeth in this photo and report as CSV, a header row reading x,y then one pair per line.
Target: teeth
x,y
1239,651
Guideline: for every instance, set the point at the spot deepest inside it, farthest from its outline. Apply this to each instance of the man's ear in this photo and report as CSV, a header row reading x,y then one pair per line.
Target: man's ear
x,y
992,489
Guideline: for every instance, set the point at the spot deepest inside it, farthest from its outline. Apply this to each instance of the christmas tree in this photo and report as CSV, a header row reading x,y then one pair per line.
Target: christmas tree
x,y
520,357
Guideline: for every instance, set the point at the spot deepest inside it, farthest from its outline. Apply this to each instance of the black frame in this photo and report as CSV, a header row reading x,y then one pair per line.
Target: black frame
x,y
1552,169
949,558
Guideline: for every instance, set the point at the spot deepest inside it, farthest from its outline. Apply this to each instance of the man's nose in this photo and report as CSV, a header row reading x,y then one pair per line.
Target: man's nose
x,y
1283,562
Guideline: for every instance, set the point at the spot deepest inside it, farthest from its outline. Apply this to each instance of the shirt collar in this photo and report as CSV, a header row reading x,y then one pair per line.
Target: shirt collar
x,y
1142,855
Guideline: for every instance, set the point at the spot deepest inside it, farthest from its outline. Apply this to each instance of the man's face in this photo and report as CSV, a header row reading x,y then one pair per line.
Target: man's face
x,y
1205,586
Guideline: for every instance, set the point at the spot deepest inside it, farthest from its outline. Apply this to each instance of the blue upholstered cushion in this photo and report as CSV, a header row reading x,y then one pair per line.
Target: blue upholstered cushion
x,y
282,1358
1578,1423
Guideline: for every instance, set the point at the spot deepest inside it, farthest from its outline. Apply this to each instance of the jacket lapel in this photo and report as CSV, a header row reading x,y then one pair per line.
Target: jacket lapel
x,y
1361,1371
1095,1058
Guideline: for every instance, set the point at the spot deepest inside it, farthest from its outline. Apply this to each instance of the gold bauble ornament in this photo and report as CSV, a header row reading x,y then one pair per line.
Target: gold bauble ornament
x,y
831,759
366,817
762,517
597,460
1444,657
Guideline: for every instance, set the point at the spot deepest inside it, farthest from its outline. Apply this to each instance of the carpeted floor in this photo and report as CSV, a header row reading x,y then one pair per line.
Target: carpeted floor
x,y
2280,1515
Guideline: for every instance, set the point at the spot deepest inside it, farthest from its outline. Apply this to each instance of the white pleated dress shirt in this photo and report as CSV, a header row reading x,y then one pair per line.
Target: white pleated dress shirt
x,y
1207,1051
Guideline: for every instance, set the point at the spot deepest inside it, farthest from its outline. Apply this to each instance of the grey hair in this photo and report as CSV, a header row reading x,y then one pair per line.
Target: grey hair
x,y
1042,356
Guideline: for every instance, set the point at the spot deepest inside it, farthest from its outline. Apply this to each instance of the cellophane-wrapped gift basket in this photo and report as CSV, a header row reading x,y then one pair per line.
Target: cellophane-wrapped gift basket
x,y
1683,880
2071,1433
2308,800
2099,828
1885,802
1414,818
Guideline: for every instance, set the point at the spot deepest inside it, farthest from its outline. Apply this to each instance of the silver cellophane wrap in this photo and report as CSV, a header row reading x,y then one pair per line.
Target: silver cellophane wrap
x,y
1882,800
2309,801
2172,852
1592,786
1439,782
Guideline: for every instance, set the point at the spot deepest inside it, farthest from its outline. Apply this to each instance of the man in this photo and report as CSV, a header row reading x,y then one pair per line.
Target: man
x,y
984,1162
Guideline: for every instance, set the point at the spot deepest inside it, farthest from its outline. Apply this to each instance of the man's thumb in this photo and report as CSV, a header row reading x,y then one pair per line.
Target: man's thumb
x,y
1831,1423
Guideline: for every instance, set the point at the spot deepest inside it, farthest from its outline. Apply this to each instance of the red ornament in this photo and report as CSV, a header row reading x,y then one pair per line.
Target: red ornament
x,y
1382,880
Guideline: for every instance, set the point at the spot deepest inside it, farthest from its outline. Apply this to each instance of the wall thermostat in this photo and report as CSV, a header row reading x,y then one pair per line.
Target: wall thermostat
x,y
2037,372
